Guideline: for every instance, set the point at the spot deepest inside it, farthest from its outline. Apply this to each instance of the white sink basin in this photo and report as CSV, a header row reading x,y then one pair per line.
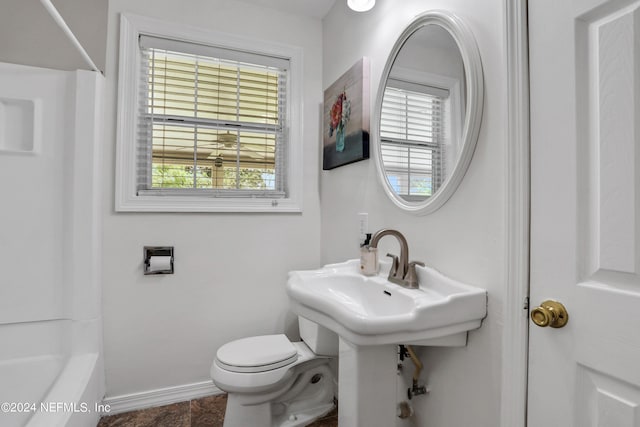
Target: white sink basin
x,y
373,311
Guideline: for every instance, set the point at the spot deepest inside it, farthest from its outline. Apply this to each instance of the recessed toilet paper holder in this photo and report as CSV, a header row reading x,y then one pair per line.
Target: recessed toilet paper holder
x,y
158,260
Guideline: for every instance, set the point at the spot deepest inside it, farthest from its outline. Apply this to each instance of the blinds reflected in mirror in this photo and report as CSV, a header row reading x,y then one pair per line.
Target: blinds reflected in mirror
x,y
412,138
212,120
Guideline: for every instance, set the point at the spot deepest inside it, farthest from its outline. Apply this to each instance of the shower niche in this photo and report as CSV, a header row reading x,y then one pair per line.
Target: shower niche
x,y
19,130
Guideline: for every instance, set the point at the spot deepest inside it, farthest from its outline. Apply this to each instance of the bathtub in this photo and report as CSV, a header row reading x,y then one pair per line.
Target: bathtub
x,y
41,385
51,365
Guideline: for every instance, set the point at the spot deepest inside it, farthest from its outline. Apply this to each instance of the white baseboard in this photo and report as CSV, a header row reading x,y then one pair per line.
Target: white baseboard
x,y
159,397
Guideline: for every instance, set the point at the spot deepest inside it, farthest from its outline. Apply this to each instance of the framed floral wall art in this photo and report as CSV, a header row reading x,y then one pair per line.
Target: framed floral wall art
x,y
346,118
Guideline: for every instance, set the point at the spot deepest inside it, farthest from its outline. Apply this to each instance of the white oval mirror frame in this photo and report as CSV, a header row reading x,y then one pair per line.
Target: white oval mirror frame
x,y
474,83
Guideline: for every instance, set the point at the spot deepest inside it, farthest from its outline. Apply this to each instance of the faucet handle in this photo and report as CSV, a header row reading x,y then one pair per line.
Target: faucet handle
x,y
394,265
412,276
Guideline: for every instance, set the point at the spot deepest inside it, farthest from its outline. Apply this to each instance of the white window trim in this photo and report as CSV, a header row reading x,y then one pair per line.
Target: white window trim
x,y
126,198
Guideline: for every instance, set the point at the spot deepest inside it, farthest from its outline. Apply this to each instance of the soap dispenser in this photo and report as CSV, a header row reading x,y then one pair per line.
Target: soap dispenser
x,y
368,258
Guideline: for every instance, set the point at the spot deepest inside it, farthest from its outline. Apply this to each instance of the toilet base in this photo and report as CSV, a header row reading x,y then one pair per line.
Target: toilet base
x,y
306,418
239,415
308,398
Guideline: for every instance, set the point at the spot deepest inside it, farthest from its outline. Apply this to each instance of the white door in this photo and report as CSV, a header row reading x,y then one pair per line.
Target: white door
x,y
585,211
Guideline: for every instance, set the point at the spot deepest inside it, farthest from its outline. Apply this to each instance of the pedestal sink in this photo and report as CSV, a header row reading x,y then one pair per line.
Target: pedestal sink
x,y
372,316
373,311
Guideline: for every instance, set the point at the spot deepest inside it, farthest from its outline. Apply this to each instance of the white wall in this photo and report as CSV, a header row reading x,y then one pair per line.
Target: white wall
x,y
464,239
231,269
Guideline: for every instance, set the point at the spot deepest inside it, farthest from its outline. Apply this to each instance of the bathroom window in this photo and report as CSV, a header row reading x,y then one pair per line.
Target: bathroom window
x,y
214,122
412,138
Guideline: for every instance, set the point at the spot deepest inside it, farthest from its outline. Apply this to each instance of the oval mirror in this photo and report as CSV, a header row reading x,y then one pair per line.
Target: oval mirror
x,y
428,112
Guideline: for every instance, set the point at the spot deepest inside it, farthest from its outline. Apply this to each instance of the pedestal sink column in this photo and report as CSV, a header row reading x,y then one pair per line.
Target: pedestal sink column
x,y
367,378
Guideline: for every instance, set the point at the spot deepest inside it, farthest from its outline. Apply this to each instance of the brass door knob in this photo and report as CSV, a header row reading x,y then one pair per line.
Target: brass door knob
x,y
550,313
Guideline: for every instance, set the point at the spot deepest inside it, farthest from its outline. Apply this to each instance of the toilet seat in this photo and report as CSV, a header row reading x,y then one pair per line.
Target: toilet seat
x,y
257,354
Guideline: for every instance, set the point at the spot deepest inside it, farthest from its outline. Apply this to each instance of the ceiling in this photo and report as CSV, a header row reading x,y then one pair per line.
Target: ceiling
x,y
312,8
29,36
88,21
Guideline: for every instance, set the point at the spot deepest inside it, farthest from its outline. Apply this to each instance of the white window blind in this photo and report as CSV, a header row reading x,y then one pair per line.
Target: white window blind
x,y
212,121
412,138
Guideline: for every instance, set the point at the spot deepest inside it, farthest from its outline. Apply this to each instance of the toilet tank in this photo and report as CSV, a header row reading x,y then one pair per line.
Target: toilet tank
x,y
321,340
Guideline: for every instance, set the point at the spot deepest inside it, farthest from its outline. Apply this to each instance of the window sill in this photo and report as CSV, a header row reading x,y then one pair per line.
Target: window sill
x,y
207,204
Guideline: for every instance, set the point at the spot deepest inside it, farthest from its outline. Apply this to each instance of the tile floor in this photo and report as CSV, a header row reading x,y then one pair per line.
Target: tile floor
x,y
204,412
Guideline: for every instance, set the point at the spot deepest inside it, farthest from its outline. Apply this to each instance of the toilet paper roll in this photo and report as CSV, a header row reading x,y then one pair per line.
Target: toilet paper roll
x,y
159,263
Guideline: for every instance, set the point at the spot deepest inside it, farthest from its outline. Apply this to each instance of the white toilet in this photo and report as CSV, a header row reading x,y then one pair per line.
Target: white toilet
x,y
273,382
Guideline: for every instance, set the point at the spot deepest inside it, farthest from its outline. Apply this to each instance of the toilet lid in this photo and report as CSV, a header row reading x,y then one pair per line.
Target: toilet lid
x,y
257,354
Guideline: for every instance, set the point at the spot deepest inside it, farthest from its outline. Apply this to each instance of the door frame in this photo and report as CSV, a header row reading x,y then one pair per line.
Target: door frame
x,y
515,334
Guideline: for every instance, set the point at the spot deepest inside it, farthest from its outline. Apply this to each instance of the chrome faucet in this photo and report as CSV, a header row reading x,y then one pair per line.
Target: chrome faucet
x,y
402,271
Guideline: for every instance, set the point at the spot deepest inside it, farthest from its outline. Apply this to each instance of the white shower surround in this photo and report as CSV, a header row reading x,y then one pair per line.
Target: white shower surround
x,y
50,315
